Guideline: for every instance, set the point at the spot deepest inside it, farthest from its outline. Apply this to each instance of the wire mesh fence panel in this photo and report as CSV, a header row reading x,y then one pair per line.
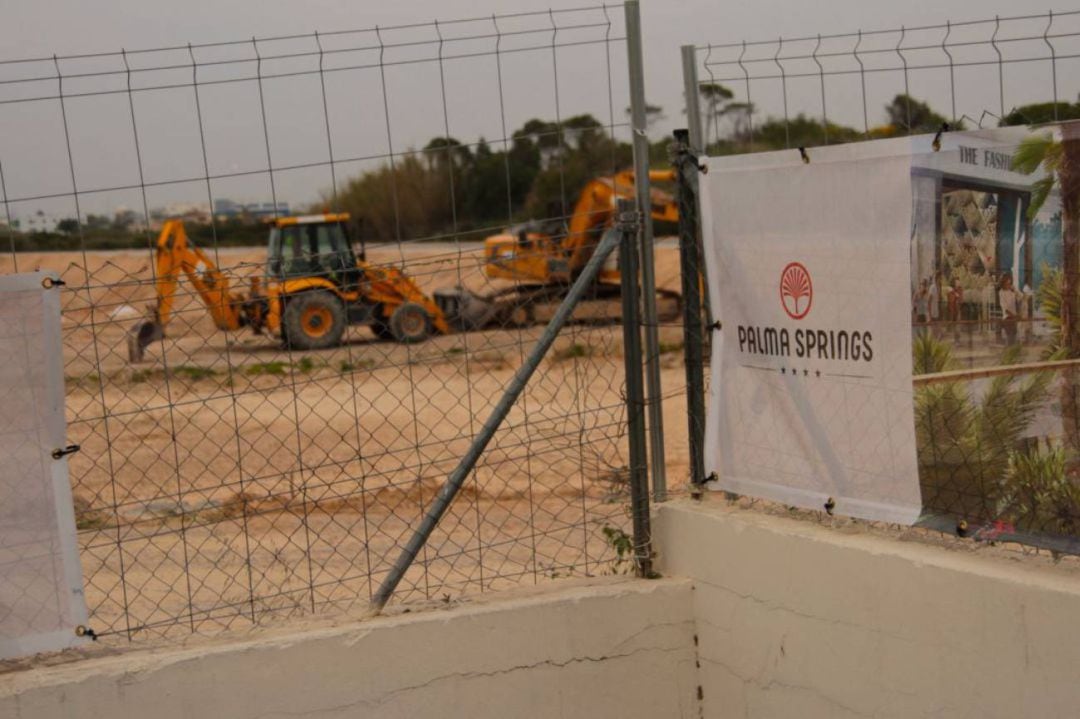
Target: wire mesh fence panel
x,y
993,238
819,89
267,405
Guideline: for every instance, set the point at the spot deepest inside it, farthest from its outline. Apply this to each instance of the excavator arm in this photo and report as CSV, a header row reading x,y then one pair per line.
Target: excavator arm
x,y
176,255
596,205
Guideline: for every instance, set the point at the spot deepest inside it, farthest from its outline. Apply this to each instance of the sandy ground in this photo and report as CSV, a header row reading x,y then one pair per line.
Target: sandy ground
x,y
226,480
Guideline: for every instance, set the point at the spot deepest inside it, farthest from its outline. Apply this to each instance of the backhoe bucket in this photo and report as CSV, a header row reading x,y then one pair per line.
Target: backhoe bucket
x,y
464,309
140,336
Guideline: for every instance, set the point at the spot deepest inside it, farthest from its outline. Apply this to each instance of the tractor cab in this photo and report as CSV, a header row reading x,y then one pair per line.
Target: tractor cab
x,y
312,246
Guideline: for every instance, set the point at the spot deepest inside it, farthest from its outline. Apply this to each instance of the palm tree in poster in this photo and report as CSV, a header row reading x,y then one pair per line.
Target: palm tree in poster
x,y
1059,159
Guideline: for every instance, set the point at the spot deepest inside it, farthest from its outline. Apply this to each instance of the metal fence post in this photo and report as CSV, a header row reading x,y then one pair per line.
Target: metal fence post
x,y
693,97
628,226
638,127
698,143
687,168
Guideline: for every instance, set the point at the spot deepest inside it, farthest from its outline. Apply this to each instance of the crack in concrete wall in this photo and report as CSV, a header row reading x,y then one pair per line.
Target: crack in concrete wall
x,y
379,701
795,620
605,647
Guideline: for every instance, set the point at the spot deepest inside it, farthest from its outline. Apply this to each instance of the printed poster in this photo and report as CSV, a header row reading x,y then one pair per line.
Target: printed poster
x,y
809,268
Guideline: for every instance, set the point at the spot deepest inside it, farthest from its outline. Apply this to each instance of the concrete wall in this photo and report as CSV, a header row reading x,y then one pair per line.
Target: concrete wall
x,y
774,618
605,649
798,620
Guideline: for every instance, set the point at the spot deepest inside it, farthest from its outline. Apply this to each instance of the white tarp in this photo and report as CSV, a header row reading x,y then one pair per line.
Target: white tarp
x,y
809,272
41,597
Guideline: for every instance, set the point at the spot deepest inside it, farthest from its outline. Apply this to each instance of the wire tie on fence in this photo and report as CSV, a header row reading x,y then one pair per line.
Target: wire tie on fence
x,y
48,283
85,631
804,156
70,449
936,144
830,505
697,489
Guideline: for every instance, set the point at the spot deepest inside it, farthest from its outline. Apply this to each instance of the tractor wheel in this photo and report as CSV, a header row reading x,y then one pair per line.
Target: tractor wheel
x,y
380,326
382,330
313,320
410,323
518,315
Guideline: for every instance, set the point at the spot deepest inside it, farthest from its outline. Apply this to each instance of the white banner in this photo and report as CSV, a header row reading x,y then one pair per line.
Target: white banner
x,y
809,269
41,595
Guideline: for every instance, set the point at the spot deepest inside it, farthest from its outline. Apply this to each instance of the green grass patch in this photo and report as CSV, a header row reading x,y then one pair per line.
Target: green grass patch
x,y
345,366
572,352
191,373
143,375
194,372
86,380
273,369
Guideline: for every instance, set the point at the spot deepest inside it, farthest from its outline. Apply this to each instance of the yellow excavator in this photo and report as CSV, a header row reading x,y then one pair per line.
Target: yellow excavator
x,y
541,260
315,286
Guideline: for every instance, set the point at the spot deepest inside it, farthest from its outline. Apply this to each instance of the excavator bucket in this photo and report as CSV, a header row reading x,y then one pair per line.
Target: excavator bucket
x,y
140,336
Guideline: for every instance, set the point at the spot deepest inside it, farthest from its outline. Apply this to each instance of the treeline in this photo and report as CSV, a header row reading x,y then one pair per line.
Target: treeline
x,y
450,188
70,237
446,188
731,127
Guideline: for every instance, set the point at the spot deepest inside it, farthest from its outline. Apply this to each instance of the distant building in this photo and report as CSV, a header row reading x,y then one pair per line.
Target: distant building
x,y
40,223
193,213
266,209
226,209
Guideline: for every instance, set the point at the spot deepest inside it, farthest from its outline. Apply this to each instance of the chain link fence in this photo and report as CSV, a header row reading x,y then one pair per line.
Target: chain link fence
x,y
260,429
992,290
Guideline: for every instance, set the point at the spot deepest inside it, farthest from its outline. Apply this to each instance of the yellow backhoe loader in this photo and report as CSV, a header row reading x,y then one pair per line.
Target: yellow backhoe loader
x,y
541,260
314,287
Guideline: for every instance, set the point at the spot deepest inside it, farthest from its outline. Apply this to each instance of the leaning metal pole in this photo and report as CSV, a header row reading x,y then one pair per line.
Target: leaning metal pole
x,y
648,272
627,227
687,168
445,497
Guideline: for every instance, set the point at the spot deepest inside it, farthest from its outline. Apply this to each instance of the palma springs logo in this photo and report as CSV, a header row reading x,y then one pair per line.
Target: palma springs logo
x,y
796,291
796,299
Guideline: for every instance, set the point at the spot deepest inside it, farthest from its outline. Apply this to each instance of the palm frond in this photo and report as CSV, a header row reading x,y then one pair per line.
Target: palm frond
x,y
1050,296
1036,493
1040,190
1032,152
930,355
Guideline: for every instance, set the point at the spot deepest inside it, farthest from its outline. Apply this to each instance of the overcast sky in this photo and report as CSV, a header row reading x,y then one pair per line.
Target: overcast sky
x,y
34,157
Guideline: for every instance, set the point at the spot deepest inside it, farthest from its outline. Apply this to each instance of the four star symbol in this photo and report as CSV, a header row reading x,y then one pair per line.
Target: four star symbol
x,y
795,372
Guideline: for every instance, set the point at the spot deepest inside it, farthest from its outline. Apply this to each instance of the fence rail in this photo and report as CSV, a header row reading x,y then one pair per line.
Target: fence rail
x,y
822,89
